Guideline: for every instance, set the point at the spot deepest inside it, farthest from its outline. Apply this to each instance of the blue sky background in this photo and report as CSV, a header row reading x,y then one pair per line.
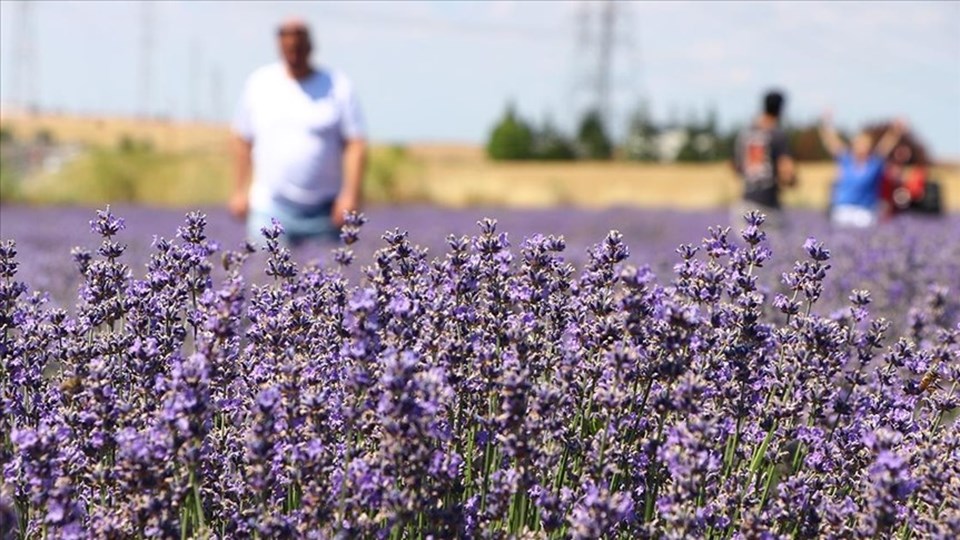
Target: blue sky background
x,y
445,70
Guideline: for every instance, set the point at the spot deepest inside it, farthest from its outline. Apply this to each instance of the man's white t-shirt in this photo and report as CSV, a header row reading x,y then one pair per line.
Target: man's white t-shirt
x,y
298,129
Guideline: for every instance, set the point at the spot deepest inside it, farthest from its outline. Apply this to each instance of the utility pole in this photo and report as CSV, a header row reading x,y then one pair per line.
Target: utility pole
x,y
606,37
597,42
24,92
195,79
146,54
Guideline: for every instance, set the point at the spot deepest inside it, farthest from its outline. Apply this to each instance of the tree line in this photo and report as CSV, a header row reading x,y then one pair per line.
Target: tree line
x,y
691,141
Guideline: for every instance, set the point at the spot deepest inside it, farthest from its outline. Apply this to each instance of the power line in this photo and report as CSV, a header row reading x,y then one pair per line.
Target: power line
x,y
146,54
602,39
195,78
479,28
25,90
608,29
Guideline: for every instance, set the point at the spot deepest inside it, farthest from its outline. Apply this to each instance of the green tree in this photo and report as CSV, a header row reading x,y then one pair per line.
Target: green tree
x,y
726,143
710,125
128,144
641,135
6,135
9,183
44,137
592,139
511,139
702,140
805,143
552,145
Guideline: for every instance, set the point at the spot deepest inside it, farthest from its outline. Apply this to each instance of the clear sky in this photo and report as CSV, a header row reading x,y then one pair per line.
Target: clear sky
x,y
445,70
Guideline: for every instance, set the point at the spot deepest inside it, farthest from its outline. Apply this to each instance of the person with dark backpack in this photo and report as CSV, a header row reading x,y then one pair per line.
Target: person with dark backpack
x,y
764,163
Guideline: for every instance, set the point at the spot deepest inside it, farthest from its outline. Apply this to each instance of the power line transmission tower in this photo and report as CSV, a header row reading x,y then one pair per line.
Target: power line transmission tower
x,y
584,36
146,54
634,91
605,46
598,40
25,93
195,79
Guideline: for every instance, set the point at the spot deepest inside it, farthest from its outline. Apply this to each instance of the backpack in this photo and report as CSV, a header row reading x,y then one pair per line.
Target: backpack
x,y
931,202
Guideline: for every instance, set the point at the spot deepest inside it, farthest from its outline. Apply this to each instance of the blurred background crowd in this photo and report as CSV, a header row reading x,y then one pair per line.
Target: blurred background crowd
x,y
592,104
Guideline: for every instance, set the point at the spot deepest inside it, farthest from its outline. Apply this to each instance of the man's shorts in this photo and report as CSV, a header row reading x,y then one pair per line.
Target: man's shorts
x,y
300,224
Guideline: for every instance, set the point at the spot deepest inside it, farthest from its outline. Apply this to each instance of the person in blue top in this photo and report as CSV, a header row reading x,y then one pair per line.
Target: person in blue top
x,y
856,194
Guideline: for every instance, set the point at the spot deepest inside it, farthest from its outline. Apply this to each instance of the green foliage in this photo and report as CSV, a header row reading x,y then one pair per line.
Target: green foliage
x,y
726,143
592,139
6,135
511,139
9,179
9,183
551,145
388,171
805,143
44,136
128,144
699,148
702,139
641,135
143,176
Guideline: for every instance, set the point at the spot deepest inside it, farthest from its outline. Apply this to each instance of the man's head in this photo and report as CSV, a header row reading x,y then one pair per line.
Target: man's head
x,y
773,103
293,36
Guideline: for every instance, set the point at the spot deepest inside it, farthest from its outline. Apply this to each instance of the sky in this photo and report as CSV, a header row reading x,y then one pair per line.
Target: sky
x,y
445,71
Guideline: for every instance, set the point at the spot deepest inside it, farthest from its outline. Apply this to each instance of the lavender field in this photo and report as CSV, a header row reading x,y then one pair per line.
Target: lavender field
x,y
899,263
550,374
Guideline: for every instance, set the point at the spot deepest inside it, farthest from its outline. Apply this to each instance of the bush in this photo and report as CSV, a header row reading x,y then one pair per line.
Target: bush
x,y
806,145
592,139
551,145
128,144
6,135
9,184
102,175
44,137
511,139
387,169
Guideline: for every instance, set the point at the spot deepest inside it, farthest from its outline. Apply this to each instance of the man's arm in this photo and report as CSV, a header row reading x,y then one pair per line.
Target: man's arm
x,y
786,171
736,158
890,139
828,135
243,170
354,165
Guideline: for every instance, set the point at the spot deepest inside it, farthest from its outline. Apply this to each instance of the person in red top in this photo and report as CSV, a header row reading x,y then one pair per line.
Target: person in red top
x,y
904,181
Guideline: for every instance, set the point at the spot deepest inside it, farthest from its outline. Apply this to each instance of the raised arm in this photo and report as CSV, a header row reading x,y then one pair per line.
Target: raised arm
x,y
890,139
828,135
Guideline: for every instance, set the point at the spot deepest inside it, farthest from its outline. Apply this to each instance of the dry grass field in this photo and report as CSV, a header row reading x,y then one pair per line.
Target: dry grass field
x,y
192,167
163,135
459,175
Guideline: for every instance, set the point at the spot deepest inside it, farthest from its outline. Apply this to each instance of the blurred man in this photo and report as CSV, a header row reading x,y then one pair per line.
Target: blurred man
x,y
300,144
763,161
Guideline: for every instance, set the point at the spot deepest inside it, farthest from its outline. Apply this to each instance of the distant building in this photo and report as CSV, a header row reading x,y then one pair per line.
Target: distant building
x,y
669,143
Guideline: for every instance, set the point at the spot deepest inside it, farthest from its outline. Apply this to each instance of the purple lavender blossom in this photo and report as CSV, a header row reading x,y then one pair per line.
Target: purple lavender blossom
x,y
471,385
